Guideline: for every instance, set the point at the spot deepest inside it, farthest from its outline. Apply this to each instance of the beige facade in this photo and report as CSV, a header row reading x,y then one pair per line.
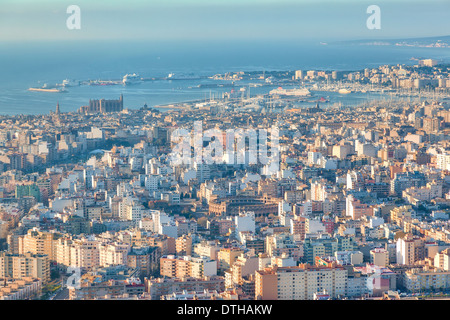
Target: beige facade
x,y
39,242
426,278
379,257
186,266
24,265
299,283
183,245
20,289
227,257
88,254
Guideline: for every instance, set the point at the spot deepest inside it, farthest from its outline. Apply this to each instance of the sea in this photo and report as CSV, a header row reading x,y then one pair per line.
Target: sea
x,y
33,64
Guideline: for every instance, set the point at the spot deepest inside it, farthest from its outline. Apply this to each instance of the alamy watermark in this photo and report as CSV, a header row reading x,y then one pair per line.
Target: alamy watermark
x,y
232,147
374,20
74,20
73,281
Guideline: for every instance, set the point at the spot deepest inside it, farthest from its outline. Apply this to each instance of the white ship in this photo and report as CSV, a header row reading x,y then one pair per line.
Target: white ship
x,y
300,92
70,83
344,91
44,89
174,76
131,79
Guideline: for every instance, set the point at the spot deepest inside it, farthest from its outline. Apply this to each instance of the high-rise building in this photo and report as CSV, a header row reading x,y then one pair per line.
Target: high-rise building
x,y
356,209
183,245
298,227
144,258
431,124
39,242
410,250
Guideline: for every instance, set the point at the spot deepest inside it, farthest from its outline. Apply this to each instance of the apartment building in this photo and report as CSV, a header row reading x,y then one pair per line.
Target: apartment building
x,y
410,249
39,242
20,289
186,266
163,286
227,256
183,245
28,265
379,257
300,283
426,278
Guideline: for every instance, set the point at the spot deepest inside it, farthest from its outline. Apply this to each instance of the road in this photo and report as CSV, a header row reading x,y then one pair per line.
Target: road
x,y
63,292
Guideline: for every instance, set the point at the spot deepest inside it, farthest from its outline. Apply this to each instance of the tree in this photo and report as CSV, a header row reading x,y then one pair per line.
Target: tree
x,y
54,274
202,221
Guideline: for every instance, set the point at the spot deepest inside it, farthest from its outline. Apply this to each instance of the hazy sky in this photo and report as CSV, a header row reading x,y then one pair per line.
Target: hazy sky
x,y
320,20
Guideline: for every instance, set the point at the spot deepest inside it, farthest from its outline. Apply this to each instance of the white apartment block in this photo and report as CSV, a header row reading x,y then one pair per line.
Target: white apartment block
x,y
443,161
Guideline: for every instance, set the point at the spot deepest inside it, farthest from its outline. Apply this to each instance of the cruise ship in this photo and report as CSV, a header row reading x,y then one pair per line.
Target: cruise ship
x,y
131,79
300,92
